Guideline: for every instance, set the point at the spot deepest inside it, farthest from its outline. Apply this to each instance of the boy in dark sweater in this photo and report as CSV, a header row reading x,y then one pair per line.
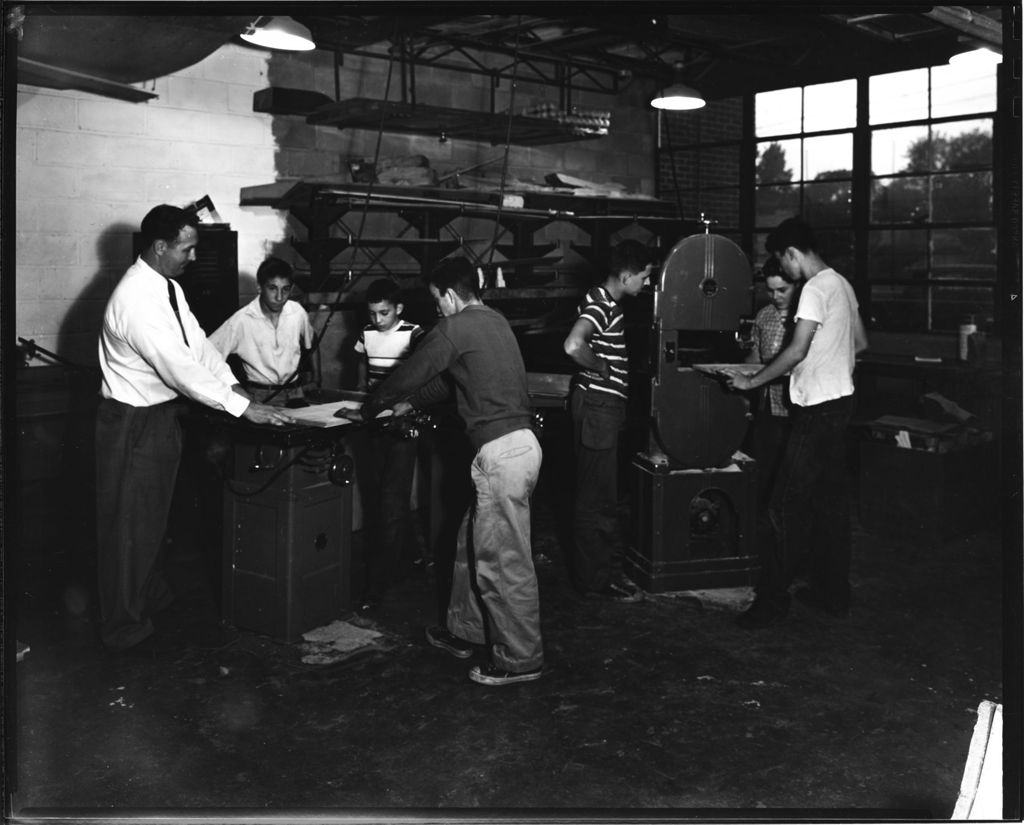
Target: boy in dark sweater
x,y
475,346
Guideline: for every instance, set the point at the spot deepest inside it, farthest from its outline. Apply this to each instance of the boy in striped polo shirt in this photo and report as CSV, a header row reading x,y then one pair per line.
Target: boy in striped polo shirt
x,y
387,465
597,404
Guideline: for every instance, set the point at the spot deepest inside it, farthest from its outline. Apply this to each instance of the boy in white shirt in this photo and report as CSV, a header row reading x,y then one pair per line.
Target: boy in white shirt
x,y
385,462
269,335
809,506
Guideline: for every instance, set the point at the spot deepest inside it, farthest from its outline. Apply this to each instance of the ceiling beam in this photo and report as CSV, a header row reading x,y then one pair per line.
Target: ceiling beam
x,y
977,26
35,73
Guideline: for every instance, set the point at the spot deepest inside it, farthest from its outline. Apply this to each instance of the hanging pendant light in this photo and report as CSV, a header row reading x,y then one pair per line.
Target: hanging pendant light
x,y
678,96
977,56
279,33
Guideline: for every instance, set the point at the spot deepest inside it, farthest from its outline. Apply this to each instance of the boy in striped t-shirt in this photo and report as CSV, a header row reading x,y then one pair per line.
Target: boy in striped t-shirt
x,y
387,340
385,463
597,404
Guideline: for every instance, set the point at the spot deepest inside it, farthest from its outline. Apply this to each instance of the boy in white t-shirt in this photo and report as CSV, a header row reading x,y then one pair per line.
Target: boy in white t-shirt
x,y
809,505
385,462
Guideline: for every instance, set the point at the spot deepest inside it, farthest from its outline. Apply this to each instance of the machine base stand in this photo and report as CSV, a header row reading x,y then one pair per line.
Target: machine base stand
x,y
693,529
287,537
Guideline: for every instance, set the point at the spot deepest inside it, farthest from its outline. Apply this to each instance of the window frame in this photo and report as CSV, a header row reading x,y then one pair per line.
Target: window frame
x,y
861,224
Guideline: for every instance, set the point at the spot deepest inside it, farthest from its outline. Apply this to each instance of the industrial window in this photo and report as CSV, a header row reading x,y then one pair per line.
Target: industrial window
x,y
804,141
928,243
931,244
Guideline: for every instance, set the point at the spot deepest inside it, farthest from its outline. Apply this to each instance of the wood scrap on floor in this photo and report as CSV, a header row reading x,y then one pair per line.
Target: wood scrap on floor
x,y
339,641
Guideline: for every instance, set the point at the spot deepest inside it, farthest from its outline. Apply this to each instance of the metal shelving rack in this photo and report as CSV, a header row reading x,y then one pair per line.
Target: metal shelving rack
x,y
430,213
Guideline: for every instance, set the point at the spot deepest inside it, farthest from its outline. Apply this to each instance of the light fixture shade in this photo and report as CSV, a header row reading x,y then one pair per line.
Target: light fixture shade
x,y
982,56
678,97
279,33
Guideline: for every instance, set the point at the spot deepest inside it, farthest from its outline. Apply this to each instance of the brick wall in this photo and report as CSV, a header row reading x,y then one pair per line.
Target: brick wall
x,y
89,168
699,154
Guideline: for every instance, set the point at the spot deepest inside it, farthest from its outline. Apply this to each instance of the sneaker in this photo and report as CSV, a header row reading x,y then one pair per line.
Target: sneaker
x,y
459,648
490,674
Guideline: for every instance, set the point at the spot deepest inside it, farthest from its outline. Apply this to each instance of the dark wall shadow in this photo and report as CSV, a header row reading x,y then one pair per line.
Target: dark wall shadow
x,y
113,251
56,406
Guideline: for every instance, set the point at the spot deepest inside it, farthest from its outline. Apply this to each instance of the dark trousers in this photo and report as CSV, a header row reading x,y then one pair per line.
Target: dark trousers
x,y
452,495
767,445
809,508
385,466
138,450
597,419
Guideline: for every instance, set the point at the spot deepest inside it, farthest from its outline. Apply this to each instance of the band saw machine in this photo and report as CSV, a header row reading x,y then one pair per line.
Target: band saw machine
x,y
695,492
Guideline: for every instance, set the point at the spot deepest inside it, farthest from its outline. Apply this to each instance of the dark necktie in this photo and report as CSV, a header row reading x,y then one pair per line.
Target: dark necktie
x,y
173,298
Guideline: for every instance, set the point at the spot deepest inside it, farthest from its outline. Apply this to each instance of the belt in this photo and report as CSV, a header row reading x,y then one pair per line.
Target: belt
x,y
255,386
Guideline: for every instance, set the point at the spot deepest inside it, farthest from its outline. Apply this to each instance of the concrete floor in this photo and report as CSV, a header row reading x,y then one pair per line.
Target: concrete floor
x,y
658,709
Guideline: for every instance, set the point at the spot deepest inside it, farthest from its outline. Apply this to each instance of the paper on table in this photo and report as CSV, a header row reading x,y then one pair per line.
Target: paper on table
x,y
726,369
322,415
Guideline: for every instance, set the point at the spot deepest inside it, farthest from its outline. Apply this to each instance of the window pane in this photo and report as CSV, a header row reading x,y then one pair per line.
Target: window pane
x,y
963,89
778,161
968,253
962,197
777,113
827,203
830,106
910,308
899,308
965,144
773,204
899,200
898,96
836,247
897,253
899,150
828,154
951,303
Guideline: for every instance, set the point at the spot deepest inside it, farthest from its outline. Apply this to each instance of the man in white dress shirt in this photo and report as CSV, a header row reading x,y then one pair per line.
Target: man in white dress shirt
x,y
152,352
269,334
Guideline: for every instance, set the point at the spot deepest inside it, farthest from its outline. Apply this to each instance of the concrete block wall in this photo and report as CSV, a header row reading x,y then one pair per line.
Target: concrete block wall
x,y
89,168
